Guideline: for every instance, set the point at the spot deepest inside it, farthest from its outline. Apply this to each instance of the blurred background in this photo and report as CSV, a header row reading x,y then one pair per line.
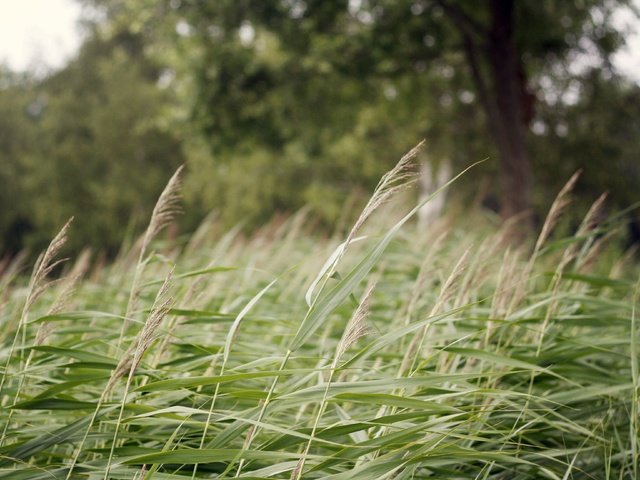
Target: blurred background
x,y
275,105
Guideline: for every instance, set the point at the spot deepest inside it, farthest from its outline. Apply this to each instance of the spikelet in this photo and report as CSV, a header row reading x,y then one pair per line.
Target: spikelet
x,y
252,430
356,329
140,474
557,207
165,209
357,326
10,265
9,270
160,308
130,360
44,266
594,216
163,213
400,177
504,283
423,275
447,291
295,474
70,282
592,253
590,222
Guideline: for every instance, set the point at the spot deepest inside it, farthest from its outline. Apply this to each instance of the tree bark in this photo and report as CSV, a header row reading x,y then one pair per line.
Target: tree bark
x,y
503,96
509,123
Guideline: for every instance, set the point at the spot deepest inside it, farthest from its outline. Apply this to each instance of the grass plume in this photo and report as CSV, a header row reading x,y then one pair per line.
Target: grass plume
x,y
454,384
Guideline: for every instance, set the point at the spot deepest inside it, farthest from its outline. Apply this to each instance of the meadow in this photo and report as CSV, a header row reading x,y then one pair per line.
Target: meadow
x,y
389,352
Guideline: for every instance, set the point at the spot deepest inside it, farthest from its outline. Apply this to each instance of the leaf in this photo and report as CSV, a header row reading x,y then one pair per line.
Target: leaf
x,y
397,401
327,265
54,404
325,304
48,439
236,323
502,360
192,456
192,382
192,273
81,355
594,280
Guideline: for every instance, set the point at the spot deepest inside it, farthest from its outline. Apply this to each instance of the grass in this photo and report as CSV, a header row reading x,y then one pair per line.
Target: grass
x,y
445,354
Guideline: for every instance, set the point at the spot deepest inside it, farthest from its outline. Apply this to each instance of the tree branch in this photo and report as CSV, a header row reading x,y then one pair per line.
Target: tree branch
x,y
481,86
467,25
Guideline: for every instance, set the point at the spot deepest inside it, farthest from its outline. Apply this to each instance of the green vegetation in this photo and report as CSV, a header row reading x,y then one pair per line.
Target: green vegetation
x,y
408,354
278,105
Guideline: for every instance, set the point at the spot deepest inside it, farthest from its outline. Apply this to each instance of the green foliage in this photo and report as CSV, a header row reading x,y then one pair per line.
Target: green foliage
x,y
279,105
479,362
598,134
85,142
301,103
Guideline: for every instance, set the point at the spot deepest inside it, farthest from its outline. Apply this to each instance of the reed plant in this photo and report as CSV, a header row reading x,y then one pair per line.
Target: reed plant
x,y
393,352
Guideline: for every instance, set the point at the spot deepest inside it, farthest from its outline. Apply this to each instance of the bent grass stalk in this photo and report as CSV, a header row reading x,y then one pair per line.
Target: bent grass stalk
x,y
465,406
163,213
128,363
356,329
323,305
161,306
37,286
393,181
233,331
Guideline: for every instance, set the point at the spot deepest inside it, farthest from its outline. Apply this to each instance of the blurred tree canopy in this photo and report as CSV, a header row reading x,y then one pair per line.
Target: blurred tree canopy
x,y
276,104
83,142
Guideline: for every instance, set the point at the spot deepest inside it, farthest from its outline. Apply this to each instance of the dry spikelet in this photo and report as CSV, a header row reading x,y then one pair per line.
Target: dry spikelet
x,y
123,366
357,326
423,274
445,294
148,332
10,266
557,207
165,209
43,333
140,474
447,289
10,269
70,282
505,274
476,272
163,213
395,180
252,430
620,265
594,216
131,358
4,265
161,307
37,285
44,266
591,255
296,472
590,222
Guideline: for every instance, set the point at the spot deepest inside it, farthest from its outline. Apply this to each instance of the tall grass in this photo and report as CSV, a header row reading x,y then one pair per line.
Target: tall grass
x,y
399,353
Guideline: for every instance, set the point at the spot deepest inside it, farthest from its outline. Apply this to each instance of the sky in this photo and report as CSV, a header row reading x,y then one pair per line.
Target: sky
x,y
38,34
43,34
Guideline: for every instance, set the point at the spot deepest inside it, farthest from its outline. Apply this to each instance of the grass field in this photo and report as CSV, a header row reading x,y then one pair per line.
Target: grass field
x,y
409,354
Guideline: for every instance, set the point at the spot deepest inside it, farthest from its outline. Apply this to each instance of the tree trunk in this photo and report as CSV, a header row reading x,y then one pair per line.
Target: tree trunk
x,y
504,97
507,123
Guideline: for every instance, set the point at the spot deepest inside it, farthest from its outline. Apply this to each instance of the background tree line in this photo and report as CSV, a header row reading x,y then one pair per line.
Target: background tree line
x,y
277,104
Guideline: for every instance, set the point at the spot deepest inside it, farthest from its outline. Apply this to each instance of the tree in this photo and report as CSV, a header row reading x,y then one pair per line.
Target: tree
x,y
505,97
275,77
18,106
84,142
